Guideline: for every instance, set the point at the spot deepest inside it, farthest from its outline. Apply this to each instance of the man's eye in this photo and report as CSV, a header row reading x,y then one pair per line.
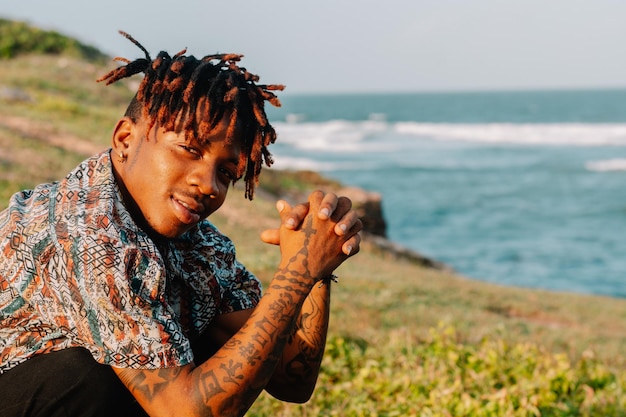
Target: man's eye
x,y
228,174
190,149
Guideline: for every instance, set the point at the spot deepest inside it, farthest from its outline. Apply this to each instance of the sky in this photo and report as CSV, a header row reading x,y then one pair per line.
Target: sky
x,y
338,46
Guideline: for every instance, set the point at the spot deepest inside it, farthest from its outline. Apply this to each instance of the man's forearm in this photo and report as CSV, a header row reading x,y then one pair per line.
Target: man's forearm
x,y
298,370
256,350
231,380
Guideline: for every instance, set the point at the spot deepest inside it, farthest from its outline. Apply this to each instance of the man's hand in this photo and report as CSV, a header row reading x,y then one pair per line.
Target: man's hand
x,y
332,207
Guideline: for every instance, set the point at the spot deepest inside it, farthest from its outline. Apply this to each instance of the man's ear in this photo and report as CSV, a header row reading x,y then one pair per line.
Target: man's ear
x,y
123,134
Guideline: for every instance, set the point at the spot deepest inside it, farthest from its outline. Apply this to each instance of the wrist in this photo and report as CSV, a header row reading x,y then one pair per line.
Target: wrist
x,y
327,280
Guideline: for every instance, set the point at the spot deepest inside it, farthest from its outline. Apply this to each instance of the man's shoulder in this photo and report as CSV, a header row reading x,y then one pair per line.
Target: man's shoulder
x,y
36,209
28,207
88,184
94,171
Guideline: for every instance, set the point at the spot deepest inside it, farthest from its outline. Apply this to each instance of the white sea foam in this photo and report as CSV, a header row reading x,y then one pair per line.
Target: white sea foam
x,y
332,136
302,163
607,165
346,136
289,162
576,134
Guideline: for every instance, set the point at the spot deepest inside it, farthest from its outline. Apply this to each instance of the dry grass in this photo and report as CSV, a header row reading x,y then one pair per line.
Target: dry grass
x,y
379,293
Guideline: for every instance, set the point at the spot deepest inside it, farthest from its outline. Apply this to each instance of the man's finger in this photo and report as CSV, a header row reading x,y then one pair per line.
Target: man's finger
x,y
328,206
293,218
271,236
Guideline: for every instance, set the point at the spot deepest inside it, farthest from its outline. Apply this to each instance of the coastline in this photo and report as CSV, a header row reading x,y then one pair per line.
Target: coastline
x,y
393,290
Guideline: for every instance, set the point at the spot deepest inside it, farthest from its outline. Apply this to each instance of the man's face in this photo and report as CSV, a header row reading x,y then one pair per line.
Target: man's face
x,y
170,184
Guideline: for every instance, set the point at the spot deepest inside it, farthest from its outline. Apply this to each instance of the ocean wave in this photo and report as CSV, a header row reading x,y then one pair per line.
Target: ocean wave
x,y
290,162
308,164
348,136
332,136
572,134
605,165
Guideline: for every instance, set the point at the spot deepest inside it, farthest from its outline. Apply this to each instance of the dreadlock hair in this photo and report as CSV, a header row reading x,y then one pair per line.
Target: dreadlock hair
x,y
190,95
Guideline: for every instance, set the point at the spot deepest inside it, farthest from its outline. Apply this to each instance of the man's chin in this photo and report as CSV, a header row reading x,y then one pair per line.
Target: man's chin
x,y
168,233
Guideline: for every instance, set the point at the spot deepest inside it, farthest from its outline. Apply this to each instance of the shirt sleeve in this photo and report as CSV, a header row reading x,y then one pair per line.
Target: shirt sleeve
x,y
242,292
111,300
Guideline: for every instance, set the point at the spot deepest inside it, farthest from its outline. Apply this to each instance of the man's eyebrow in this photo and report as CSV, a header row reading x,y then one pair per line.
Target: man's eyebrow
x,y
206,143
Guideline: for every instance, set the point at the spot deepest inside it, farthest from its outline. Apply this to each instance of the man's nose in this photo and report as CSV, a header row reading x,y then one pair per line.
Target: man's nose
x,y
206,179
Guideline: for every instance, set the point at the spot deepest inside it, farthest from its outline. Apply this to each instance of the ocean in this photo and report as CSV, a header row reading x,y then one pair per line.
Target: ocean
x,y
518,188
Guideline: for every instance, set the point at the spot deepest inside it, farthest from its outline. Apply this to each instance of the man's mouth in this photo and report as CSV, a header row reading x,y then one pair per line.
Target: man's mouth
x,y
187,213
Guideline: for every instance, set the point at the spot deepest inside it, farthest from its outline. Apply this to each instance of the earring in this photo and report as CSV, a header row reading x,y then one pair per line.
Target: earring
x,y
122,158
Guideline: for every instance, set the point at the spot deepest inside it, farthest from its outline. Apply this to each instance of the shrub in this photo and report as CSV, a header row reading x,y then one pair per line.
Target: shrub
x,y
21,38
401,376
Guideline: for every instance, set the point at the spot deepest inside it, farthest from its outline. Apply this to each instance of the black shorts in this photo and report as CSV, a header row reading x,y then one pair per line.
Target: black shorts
x,y
67,383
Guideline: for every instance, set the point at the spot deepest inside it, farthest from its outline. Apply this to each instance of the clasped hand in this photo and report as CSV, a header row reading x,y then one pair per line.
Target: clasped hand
x,y
326,224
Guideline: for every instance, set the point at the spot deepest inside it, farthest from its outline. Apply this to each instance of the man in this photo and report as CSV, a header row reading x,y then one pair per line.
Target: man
x,y
117,296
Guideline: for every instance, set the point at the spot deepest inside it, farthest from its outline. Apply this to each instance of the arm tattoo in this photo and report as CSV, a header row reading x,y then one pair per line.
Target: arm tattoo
x,y
209,386
251,353
150,389
233,372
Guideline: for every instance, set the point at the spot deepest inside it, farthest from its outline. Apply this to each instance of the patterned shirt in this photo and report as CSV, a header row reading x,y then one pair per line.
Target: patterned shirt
x,y
75,270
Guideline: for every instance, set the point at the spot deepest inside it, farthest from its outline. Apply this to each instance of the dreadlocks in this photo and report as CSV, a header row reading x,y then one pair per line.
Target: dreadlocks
x,y
190,95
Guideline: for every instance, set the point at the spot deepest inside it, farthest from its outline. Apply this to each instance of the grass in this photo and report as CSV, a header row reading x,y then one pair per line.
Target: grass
x,y
404,339
408,340
52,114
